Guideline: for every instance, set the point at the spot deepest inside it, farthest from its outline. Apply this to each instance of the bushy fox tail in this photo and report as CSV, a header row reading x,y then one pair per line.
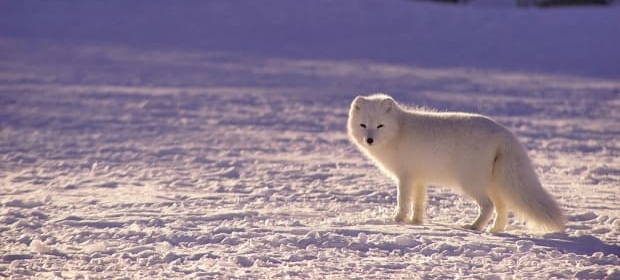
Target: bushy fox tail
x,y
517,183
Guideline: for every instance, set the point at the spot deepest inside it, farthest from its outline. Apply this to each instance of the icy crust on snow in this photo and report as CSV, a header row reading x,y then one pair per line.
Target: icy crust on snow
x,y
108,179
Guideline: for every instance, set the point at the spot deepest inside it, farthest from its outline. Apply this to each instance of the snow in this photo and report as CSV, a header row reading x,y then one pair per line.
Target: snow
x,y
206,139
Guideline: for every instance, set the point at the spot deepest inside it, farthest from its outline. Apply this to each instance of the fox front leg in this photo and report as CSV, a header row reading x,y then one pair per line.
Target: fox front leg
x,y
411,197
419,204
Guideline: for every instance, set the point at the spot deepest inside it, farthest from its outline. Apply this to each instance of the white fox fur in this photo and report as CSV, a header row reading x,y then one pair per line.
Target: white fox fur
x,y
467,151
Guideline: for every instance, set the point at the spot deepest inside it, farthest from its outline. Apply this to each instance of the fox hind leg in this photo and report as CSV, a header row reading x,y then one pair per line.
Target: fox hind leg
x,y
484,214
501,212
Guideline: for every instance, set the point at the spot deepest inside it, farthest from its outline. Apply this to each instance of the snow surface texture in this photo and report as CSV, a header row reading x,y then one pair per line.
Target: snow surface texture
x,y
147,141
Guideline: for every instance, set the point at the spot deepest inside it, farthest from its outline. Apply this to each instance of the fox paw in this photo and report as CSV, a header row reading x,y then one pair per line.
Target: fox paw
x,y
472,227
416,221
402,218
496,230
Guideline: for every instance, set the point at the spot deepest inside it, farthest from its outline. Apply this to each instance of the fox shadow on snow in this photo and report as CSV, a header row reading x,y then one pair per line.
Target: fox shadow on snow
x,y
580,245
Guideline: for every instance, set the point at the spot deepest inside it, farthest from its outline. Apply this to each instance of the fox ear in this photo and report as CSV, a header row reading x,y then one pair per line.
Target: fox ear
x,y
388,104
357,102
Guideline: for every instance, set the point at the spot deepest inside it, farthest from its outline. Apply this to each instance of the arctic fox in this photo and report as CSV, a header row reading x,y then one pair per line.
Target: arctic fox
x,y
467,151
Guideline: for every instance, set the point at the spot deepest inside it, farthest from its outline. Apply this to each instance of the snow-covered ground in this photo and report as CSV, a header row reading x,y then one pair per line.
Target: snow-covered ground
x,y
206,139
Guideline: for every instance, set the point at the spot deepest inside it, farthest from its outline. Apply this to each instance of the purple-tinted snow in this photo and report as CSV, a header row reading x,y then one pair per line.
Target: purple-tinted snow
x,y
206,140
565,41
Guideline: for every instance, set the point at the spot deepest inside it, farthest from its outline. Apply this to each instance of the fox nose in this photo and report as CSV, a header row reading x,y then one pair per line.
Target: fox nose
x,y
369,141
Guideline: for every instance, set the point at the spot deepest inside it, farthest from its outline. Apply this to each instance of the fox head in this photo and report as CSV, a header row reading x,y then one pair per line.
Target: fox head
x,y
373,120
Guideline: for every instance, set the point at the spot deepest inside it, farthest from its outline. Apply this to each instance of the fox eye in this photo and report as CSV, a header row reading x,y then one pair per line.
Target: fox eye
x,y
379,126
363,125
